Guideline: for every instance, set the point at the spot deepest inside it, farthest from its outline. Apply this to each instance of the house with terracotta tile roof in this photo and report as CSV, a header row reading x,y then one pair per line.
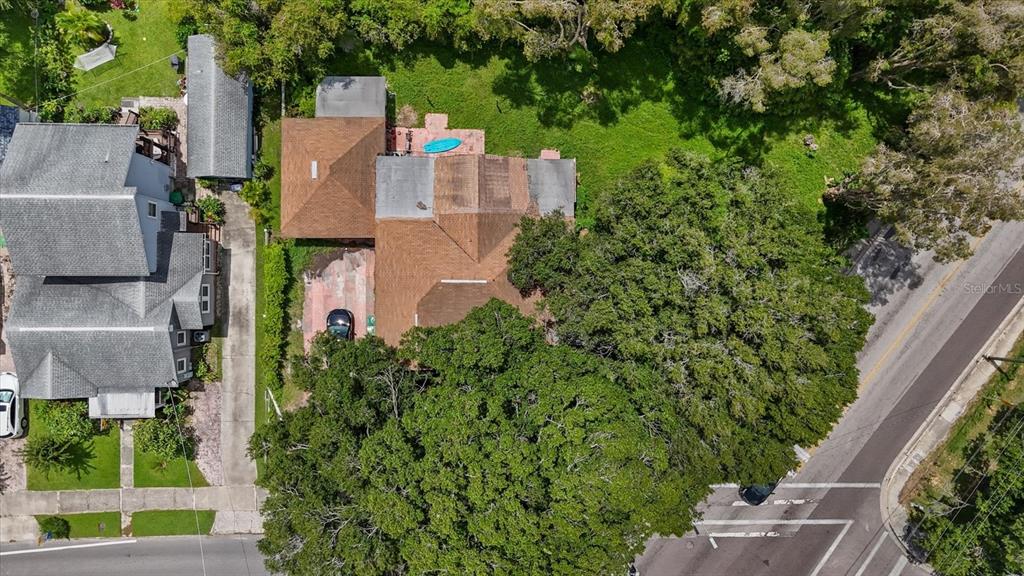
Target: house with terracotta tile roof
x,y
440,224
444,227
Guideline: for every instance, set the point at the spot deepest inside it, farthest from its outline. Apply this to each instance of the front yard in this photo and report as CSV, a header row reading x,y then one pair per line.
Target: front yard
x,y
153,472
96,464
92,524
172,522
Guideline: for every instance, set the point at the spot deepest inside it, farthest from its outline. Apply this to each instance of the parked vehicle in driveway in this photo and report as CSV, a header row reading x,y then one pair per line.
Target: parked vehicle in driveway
x,y
13,418
339,323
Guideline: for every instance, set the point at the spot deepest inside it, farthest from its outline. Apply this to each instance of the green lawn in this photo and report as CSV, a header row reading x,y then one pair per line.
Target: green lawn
x,y
97,466
141,67
171,522
93,524
16,78
149,474
933,477
646,106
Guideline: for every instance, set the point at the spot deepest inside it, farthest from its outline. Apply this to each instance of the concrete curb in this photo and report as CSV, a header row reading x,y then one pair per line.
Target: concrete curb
x,y
936,427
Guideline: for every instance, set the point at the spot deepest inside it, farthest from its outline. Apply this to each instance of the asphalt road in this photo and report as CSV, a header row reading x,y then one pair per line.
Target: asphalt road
x,y
826,519
170,556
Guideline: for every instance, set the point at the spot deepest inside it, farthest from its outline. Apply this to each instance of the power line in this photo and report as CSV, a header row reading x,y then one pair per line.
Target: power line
x,y
129,73
188,473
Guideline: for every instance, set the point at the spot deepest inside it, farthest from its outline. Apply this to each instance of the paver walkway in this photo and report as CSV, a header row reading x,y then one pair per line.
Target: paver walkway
x,y
238,390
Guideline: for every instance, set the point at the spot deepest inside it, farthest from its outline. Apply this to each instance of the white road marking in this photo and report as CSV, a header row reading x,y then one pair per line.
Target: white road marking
x,y
72,547
801,485
810,522
769,534
900,565
783,502
871,555
832,548
713,543
796,502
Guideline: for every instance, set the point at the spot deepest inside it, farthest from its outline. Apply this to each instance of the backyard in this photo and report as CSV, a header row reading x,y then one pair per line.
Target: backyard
x,y
141,68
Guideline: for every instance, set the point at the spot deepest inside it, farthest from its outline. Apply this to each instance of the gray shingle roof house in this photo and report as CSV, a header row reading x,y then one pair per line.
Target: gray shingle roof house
x,y
351,97
219,120
109,339
102,310
75,199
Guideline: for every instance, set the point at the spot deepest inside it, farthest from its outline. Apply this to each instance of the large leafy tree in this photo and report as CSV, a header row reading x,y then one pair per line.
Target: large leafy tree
x,y
554,27
979,528
958,168
498,454
710,274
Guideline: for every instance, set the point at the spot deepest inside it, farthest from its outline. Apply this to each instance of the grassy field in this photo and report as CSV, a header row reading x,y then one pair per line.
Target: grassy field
x,y
93,524
934,475
16,52
97,464
149,473
171,522
644,106
141,67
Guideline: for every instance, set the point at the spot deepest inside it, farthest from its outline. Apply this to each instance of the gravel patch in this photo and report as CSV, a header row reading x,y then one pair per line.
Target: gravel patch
x,y
14,468
205,401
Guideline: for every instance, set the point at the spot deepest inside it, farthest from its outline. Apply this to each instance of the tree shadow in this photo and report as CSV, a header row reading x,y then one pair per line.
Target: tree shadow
x,y
885,265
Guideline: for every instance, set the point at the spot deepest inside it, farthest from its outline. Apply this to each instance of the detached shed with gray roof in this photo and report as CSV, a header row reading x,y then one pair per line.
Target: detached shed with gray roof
x,y
219,120
351,97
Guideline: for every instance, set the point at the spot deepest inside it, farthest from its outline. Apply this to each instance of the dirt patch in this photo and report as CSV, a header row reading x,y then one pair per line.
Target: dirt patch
x,y
205,401
13,476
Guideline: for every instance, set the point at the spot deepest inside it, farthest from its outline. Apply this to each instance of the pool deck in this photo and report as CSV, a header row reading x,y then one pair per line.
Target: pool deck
x,y
435,126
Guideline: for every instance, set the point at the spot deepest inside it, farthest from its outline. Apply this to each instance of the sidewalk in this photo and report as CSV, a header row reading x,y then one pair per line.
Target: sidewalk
x,y
238,389
937,426
237,506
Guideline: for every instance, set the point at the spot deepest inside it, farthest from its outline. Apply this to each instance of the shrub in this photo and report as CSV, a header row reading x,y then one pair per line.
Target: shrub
x,y
56,526
160,435
151,118
46,454
207,361
256,194
90,114
68,420
211,208
262,170
81,26
275,280
186,27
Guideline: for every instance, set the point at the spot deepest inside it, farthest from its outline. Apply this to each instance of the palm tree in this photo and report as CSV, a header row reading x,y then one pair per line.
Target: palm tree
x,y
82,26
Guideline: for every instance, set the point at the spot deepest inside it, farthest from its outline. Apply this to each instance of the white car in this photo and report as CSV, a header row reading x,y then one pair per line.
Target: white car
x,y
13,420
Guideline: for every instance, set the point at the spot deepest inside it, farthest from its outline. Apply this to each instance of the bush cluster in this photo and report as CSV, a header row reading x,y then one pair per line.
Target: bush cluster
x,y
56,526
68,420
160,435
151,118
211,208
275,280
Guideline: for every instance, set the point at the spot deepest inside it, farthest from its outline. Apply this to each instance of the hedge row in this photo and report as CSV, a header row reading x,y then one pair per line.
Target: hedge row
x,y
275,280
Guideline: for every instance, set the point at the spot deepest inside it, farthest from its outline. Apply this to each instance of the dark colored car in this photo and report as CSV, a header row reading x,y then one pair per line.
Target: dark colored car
x,y
757,493
340,323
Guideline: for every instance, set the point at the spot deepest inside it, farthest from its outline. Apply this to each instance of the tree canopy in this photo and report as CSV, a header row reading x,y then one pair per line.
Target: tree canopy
x,y
496,454
707,273
979,529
